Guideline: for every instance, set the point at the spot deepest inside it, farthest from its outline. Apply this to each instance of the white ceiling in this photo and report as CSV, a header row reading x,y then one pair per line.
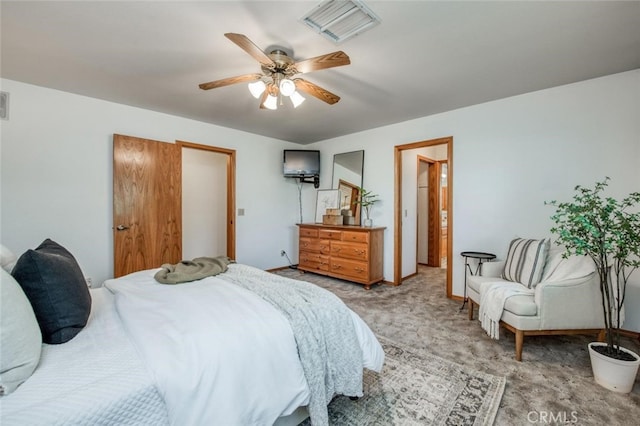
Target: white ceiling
x,y
424,58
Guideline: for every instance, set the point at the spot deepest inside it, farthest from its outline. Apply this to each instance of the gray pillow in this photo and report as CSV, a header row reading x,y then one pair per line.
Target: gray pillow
x,y
54,284
20,338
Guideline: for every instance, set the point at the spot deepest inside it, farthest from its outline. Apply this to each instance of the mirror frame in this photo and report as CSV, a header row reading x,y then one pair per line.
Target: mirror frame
x,y
347,188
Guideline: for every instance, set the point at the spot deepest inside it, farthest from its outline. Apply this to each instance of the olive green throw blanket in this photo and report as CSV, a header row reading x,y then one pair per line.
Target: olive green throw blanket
x,y
192,270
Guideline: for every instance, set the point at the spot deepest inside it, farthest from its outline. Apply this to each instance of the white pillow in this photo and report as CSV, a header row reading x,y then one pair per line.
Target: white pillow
x,y
7,258
559,269
20,336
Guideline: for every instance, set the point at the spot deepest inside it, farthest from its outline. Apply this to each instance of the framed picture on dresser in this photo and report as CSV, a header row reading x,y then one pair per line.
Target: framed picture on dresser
x,y
326,199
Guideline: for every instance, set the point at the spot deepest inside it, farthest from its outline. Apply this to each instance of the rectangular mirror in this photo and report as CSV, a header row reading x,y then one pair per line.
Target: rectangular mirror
x,y
347,178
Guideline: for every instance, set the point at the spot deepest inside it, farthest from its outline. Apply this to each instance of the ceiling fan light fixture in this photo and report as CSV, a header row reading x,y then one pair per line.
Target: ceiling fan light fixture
x,y
287,87
271,102
256,88
296,99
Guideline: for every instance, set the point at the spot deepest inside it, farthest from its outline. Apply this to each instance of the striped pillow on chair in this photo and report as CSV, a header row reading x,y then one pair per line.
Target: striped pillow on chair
x,y
525,261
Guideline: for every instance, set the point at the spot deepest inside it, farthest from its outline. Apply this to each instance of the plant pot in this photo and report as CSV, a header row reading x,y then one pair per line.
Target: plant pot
x,y
367,222
613,374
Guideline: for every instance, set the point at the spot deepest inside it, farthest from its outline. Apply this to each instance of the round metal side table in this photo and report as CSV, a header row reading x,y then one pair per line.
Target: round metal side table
x,y
481,257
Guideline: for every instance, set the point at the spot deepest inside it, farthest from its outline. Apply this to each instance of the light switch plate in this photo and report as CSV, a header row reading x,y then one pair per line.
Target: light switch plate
x,y
4,105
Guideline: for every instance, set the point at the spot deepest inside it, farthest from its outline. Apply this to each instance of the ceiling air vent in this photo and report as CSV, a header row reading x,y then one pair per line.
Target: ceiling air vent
x,y
339,20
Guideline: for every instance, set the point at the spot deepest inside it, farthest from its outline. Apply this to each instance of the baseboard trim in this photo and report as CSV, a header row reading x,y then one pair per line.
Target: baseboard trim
x,y
629,333
277,269
409,276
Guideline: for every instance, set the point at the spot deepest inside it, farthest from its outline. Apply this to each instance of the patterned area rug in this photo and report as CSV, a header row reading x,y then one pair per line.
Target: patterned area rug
x,y
417,388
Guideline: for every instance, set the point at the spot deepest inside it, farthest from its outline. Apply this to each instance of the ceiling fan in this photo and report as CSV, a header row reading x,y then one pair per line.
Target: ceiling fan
x,y
278,77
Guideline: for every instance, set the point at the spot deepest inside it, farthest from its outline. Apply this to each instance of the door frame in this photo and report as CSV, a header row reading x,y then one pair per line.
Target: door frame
x,y
231,189
397,246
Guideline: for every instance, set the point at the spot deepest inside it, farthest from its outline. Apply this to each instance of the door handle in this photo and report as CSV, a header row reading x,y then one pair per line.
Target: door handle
x,y
122,228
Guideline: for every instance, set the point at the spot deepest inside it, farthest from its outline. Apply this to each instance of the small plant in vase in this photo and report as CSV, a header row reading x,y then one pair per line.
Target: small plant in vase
x,y
367,199
608,231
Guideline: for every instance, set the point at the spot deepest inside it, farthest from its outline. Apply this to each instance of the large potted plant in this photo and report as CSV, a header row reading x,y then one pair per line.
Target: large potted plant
x,y
366,199
608,231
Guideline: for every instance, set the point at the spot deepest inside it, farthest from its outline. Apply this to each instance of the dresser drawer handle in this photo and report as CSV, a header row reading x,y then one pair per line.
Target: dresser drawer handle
x,y
337,266
359,251
358,269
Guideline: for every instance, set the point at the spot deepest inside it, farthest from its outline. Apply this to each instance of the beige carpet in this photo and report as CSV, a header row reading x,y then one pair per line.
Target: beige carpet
x,y
552,385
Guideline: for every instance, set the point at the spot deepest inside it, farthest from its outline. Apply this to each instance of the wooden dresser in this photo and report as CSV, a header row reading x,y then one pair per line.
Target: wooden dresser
x,y
350,253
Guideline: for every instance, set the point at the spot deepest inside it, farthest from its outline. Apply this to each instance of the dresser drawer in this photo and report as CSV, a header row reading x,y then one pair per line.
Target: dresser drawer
x,y
309,232
355,237
350,250
314,261
348,253
350,268
330,234
314,245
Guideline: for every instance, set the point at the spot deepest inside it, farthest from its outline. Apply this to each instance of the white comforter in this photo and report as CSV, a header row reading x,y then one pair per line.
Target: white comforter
x,y
219,354
96,378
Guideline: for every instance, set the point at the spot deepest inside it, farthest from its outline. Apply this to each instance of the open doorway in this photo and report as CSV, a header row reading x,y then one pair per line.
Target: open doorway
x,y
212,229
400,213
431,215
148,208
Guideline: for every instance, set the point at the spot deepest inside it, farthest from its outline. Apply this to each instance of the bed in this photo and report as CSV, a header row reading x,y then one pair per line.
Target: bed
x,y
244,347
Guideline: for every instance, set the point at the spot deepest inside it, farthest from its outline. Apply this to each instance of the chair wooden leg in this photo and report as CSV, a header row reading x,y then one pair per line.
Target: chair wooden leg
x,y
470,309
519,343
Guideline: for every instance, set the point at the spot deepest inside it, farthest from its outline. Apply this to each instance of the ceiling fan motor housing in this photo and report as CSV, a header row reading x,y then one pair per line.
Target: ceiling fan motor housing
x,y
282,64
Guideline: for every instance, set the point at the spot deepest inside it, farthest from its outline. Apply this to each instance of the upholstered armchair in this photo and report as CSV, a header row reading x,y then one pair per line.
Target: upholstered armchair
x,y
557,296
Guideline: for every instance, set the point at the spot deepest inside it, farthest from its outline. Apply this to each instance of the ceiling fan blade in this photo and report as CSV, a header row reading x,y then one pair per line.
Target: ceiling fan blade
x,y
317,91
249,47
329,60
229,81
263,98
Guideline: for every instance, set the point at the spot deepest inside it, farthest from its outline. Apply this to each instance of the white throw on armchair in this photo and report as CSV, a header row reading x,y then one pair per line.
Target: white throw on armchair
x,y
559,296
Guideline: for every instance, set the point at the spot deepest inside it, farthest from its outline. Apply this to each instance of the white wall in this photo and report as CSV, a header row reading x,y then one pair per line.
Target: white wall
x,y
511,155
56,176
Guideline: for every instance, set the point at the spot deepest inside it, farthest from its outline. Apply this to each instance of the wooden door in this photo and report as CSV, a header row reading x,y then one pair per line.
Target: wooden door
x,y
433,255
147,204
422,210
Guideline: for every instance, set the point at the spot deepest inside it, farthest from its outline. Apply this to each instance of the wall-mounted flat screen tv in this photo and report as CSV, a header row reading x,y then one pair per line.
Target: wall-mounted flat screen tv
x,y
301,163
